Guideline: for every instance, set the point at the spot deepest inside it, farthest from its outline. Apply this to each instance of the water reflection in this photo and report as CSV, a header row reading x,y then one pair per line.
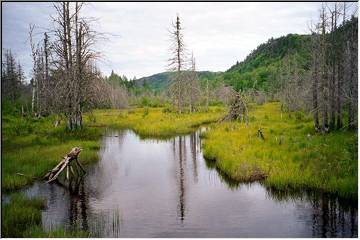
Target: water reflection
x,y
331,216
153,188
180,156
230,183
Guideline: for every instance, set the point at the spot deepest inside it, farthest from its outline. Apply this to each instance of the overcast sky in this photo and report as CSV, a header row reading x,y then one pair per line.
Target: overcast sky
x,y
137,41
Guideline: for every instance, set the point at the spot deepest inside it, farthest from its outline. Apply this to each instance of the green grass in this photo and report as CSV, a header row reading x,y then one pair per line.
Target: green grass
x,y
22,218
154,122
292,155
34,146
19,215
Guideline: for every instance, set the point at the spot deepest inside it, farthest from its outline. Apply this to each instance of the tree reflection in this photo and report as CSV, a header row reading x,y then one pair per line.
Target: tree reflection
x,y
181,178
193,148
180,155
331,216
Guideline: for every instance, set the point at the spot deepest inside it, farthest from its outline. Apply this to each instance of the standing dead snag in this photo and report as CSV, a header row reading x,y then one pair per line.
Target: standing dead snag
x,y
65,163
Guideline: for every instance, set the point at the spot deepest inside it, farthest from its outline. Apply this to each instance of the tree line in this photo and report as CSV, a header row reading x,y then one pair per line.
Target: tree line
x,y
12,78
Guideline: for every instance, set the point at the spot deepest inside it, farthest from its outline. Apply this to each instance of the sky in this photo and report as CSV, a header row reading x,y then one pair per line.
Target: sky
x,y
136,35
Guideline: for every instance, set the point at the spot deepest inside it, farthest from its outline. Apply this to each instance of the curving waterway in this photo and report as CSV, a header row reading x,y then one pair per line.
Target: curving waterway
x,y
157,188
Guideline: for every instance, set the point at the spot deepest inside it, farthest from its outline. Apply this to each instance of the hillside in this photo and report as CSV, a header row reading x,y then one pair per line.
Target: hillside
x,y
261,68
160,81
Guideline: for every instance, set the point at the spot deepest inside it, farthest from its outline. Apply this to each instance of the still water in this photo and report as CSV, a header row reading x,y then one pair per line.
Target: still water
x,y
153,188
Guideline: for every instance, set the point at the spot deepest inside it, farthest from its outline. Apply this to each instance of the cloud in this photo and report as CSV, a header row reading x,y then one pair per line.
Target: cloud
x,y
137,39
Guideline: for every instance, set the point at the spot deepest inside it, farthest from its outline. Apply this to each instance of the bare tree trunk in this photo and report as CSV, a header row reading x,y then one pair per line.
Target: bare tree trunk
x,y
333,70
207,95
177,66
352,85
46,84
78,35
315,95
324,75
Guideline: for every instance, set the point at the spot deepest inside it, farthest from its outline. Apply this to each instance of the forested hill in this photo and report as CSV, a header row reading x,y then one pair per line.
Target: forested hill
x,y
160,81
259,70
262,67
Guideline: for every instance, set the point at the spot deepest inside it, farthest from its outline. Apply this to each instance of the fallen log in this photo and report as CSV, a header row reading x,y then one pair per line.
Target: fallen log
x,y
64,163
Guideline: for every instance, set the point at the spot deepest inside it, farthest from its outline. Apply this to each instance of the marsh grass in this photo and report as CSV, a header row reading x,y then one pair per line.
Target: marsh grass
x,y
20,214
34,146
292,155
22,218
155,122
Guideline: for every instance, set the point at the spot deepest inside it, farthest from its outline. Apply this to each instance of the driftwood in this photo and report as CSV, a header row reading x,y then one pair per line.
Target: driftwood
x,y
65,163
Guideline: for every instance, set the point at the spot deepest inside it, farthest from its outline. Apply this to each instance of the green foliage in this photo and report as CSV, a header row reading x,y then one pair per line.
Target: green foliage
x,y
160,81
260,69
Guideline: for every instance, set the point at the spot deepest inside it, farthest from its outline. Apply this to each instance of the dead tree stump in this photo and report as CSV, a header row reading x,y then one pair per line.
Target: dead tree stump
x,y
260,134
238,110
65,163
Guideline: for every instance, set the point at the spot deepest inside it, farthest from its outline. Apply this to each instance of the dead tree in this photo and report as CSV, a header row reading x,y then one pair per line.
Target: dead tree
x,y
53,174
238,110
335,70
177,65
193,88
324,73
73,44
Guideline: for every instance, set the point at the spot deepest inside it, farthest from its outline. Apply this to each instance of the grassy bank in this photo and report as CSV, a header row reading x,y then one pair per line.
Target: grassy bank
x,y
153,122
291,156
34,146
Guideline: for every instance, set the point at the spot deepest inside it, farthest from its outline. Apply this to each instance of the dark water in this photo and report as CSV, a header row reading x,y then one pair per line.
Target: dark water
x,y
149,188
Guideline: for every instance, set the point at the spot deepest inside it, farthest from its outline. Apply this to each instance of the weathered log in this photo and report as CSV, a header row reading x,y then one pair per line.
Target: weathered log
x,y
64,163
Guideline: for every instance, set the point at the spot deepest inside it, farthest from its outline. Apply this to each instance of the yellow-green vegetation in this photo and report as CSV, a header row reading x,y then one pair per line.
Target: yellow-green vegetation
x,y
291,156
34,146
22,218
154,122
